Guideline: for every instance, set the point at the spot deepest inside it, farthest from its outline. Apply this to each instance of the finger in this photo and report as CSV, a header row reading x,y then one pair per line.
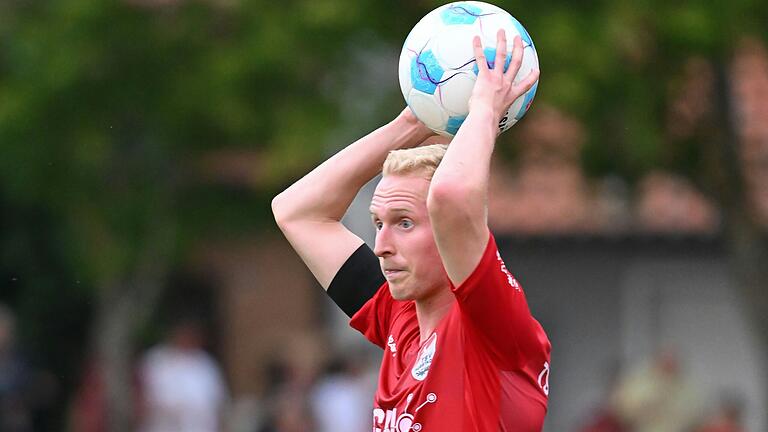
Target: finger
x,y
477,47
501,51
517,59
526,83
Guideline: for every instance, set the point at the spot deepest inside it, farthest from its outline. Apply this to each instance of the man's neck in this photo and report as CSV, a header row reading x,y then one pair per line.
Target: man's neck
x,y
431,310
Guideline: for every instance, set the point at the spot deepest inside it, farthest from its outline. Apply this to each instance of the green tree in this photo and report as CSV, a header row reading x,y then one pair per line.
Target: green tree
x,y
107,108
618,67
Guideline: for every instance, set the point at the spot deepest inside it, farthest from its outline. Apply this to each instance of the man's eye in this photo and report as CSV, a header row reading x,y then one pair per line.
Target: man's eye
x,y
405,223
377,224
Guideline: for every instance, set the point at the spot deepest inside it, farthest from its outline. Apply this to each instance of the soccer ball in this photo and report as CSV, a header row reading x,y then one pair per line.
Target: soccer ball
x,y
437,67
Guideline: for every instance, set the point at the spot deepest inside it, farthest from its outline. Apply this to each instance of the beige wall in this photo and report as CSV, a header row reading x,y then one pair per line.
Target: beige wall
x,y
269,306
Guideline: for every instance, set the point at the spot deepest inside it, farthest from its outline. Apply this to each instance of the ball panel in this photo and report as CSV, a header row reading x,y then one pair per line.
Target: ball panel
x,y
507,122
454,122
490,25
453,47
527,41
426,109
426,72
486,7
455,91
460,13
404,72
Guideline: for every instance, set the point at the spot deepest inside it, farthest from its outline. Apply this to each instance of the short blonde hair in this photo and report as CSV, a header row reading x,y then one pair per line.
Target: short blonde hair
x,y
418,160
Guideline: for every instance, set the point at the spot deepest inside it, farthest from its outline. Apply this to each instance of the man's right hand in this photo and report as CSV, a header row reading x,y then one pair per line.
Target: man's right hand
x,y
408,118
430,137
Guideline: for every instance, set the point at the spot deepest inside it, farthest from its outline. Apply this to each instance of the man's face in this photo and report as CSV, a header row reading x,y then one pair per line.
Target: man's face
x,y
405,244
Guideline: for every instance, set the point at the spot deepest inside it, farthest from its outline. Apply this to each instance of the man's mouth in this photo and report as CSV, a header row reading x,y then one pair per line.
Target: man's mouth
x,y
393,272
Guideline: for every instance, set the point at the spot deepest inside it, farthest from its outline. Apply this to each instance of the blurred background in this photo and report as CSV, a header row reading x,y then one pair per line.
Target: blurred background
x,y
144,285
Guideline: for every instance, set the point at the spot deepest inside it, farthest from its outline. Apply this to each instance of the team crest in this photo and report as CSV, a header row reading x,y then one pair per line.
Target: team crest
x,y
424,361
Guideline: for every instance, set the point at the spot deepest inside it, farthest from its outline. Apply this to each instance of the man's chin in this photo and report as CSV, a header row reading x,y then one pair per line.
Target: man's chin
x,y
398,292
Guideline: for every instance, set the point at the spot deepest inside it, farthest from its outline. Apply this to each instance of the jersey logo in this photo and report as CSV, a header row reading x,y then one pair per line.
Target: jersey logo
x,y
510,279
389,421
424,361
544,379
392,346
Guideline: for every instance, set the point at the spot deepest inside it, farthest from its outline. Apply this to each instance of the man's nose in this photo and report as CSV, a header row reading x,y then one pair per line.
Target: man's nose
x,y
383,246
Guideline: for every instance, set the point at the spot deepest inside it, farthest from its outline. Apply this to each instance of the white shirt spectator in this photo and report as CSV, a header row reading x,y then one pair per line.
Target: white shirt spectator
x,y
183,390
342,403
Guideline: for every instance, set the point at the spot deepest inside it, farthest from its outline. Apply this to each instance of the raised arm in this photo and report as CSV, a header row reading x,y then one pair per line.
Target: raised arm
x,y
488,295
457,200
309,212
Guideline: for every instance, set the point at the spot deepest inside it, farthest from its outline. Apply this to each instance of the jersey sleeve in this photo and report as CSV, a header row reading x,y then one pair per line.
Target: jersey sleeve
x,y
494,304
374,318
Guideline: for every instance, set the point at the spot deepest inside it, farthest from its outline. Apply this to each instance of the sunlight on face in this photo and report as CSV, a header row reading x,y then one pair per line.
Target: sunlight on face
x,y
405,244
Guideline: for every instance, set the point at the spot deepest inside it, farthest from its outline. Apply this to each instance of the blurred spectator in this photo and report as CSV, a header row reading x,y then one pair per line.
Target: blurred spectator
x,y
182,384
657,397
89,406
286,398
290,413
27,393
727,418
342,400
291,376
15,379
605,418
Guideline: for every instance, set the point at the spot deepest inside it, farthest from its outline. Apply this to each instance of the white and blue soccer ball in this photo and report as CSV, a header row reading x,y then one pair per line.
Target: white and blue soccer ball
x,y
437,67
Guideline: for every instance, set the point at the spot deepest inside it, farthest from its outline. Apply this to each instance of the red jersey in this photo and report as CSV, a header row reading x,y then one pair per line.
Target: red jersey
x,y
484,368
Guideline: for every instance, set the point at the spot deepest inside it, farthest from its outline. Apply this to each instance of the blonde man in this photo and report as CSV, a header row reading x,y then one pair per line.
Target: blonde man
x,y
461,349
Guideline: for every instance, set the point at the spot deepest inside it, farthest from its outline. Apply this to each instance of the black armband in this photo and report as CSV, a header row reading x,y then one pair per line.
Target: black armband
x,y
357,281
